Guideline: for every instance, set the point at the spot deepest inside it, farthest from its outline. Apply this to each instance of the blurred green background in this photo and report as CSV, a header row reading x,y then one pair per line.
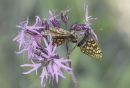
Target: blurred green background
x,y
112,28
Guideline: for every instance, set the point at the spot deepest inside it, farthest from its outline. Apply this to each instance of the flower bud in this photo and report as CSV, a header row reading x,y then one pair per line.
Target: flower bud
x,y
64,16
53,20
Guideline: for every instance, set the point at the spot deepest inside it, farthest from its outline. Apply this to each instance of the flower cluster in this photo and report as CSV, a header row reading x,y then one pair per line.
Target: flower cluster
x,y
51,64
40,48
40,55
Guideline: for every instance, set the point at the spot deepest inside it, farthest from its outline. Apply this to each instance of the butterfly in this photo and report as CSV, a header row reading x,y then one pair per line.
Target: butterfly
x,y
87,41
89,44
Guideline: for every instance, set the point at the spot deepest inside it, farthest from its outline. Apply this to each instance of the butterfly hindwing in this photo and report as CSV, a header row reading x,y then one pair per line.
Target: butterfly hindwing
x,y
91,48
58,40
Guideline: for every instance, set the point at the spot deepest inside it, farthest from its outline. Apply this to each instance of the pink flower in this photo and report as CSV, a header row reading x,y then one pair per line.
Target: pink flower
x,y
52,66
29,37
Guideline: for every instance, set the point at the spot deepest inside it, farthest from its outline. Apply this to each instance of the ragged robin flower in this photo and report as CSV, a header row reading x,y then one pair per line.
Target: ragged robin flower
x,y
51,64
29,36
41,56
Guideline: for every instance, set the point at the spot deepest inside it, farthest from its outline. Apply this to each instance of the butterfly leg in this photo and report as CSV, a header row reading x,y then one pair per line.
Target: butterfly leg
x,y
67,49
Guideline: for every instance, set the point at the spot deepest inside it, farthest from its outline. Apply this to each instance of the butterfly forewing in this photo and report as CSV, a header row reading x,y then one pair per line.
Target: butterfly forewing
x,y
59,36
91,48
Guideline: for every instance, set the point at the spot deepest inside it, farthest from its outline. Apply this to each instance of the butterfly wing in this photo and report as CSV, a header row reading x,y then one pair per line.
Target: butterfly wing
x,y
59,36
59,40
91,48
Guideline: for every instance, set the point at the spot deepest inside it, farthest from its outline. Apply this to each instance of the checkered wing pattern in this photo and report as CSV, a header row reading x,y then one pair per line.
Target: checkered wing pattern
x,y
91,48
